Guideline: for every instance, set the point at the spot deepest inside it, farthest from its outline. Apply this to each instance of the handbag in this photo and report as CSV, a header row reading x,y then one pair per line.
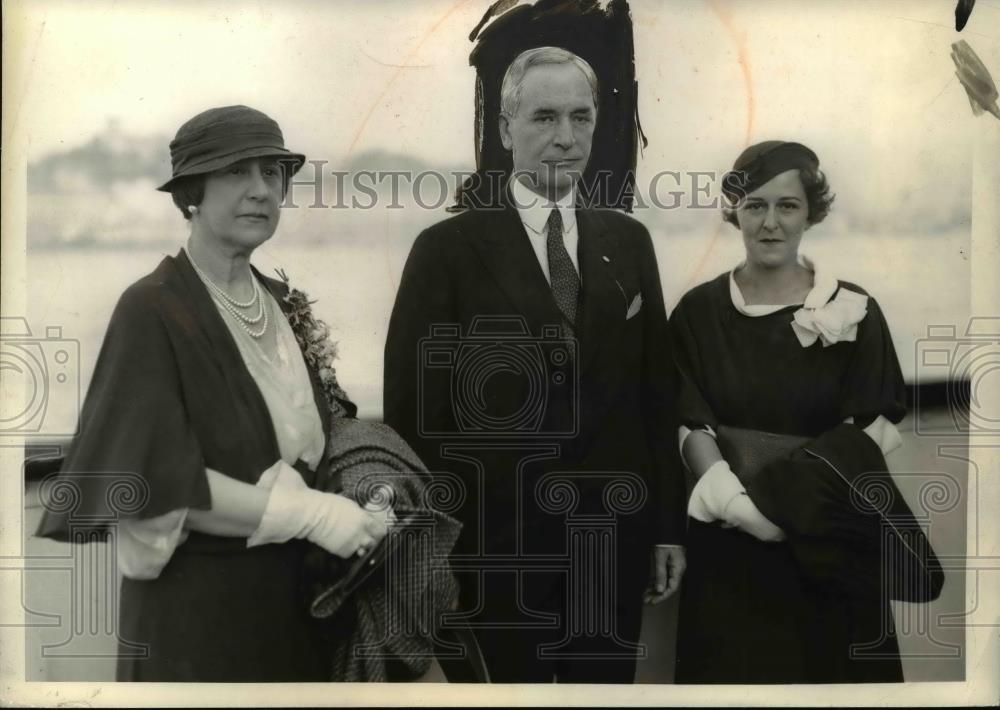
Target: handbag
x,y
340,579
747,451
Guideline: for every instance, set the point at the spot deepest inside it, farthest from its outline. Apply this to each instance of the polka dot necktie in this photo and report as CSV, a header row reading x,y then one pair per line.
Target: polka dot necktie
x,y
564,279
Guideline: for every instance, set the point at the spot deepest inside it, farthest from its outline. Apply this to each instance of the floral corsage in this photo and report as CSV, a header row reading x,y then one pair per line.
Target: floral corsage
x,y
313,336
834,322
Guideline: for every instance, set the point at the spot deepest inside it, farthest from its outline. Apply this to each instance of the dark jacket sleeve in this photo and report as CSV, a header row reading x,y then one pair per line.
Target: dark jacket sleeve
x,y
424,299
659,402
873,383
693,410
136,454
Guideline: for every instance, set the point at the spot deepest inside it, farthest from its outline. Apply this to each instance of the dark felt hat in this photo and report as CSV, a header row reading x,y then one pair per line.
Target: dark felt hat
x,y
222,136
761,162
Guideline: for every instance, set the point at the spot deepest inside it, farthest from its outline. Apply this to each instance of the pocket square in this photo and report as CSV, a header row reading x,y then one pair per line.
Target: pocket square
x,y
634,307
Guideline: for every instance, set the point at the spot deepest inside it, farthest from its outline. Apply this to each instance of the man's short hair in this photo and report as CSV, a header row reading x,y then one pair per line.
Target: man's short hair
x,y
513,80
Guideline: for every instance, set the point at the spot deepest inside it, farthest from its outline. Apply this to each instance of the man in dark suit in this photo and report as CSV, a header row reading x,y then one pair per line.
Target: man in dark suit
x,y
528,360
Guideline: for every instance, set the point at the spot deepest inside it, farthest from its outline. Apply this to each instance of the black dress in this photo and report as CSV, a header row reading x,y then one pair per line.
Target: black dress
x,y
171,396
747,615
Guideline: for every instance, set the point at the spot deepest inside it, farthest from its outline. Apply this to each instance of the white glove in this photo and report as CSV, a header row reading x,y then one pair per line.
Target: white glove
x,y
335,523
713,492
719,495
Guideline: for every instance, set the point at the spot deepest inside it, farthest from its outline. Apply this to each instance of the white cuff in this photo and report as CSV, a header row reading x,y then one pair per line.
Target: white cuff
x,y
885,434
145,546
280,521
713,492
882,432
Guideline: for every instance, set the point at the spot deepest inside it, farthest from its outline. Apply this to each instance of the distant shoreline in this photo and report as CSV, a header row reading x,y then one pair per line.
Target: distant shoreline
x,y
105,246
351,236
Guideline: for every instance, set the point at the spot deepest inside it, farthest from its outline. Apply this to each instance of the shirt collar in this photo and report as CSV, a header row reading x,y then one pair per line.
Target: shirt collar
x,y
824,286
534,210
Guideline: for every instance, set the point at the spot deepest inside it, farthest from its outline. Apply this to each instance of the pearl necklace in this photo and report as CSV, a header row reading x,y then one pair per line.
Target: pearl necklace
x,y
231,304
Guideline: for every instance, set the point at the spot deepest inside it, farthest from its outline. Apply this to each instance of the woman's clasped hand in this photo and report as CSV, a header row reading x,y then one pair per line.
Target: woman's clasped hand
x,y
719,496
335,523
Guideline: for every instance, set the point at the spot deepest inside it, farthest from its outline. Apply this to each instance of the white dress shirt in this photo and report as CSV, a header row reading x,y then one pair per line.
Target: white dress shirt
x,y
534,211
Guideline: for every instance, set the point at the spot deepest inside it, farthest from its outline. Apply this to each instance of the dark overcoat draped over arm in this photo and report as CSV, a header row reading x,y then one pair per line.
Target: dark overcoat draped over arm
x,y
848,524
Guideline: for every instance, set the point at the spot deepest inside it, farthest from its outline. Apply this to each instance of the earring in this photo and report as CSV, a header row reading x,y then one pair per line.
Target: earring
x,y
192,209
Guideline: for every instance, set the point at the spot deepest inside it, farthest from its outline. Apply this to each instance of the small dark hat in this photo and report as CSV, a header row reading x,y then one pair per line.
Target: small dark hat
x,y
222,136
761,162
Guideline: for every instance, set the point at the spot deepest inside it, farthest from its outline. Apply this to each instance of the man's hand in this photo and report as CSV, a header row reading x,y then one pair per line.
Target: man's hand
x,y
669,564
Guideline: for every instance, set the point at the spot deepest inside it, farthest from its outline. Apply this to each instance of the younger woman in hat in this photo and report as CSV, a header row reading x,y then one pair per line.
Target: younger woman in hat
x,y
776,345
208,416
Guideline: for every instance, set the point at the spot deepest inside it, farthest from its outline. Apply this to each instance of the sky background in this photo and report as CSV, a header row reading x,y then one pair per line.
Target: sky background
x,y
870,86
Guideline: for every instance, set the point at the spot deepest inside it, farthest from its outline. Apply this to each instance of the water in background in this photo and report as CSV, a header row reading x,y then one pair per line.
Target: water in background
x,y
919,280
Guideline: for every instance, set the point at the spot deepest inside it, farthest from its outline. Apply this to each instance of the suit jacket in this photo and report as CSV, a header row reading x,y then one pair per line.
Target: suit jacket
x,y
608,409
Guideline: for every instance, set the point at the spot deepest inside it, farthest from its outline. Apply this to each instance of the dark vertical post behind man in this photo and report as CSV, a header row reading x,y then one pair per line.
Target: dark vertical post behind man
x,y
529,357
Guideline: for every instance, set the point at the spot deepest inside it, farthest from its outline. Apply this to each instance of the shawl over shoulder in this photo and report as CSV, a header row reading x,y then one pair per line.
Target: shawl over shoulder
x,y
170,396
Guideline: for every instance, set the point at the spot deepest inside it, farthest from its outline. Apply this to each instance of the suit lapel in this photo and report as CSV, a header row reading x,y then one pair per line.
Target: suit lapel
x,y
507,254
603,306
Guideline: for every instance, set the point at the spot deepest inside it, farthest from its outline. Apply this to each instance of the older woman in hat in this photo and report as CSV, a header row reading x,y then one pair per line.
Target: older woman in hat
x,y
775,353
207,411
